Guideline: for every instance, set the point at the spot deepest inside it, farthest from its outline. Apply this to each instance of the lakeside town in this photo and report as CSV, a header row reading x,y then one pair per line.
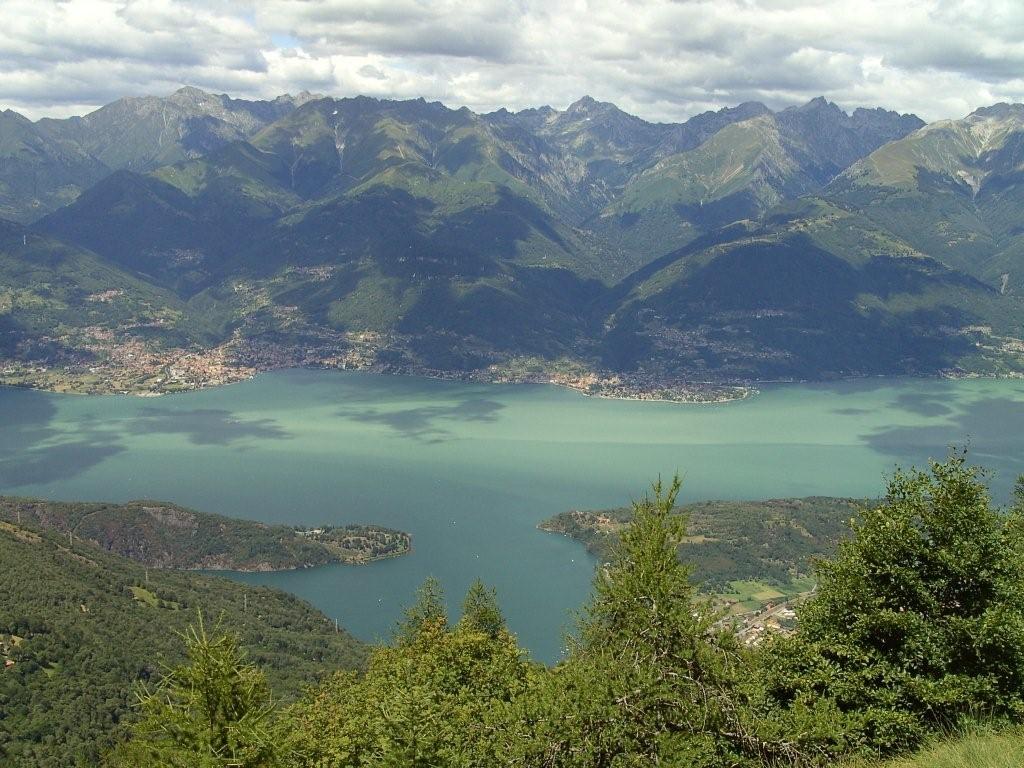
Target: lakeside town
x,y
125,360
113,364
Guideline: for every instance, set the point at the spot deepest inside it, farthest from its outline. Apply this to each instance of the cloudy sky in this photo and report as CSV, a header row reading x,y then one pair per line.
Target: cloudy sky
x,y
660,59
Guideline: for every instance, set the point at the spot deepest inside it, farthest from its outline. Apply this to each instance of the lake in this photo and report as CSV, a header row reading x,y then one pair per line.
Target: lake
x,y
470,469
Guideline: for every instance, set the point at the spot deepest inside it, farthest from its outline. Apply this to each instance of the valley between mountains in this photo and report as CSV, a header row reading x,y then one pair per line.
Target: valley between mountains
x,y
161,244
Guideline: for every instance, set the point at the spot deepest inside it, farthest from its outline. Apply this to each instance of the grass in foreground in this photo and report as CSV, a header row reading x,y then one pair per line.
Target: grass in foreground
x,y
983,749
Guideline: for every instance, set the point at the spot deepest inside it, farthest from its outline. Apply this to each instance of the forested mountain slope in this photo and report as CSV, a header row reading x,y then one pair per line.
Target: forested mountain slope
x,y
82,627
740,245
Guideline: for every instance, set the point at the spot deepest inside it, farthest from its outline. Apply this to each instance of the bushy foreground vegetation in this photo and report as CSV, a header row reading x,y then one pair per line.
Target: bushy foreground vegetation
x,y
917,627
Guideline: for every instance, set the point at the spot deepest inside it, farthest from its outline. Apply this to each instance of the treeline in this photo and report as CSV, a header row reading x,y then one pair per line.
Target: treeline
x,y
917,626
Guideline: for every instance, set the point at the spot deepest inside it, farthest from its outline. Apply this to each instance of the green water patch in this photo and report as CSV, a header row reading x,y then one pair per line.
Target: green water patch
x,y
469,470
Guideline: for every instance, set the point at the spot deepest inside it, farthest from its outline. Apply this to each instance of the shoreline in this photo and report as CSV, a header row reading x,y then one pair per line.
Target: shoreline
x,y
289,568
606,385
748,393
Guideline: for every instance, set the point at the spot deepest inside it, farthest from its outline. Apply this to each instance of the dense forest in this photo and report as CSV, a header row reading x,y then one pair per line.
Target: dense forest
x,y
916,627
79,628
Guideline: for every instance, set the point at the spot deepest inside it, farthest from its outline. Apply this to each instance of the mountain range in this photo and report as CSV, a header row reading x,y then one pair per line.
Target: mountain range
x,y
740,245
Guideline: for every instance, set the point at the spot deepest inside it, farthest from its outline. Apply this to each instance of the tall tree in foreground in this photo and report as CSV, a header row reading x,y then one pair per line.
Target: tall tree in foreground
x,y
427,612
434,698
214,711
480,611
647,680
918,622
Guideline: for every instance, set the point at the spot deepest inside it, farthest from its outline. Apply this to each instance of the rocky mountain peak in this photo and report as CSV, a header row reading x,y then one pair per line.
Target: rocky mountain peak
x,y
1000,111
189,92
303,97
588,107
10,114
584,105
818,104
191,98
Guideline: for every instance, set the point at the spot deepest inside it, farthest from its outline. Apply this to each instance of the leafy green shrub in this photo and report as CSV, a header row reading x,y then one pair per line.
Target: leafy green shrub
x,y
918,622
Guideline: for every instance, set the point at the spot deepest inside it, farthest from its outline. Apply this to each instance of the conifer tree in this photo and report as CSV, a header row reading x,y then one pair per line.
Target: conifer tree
x,y
428,610
480,611
647,678
214,711
434,698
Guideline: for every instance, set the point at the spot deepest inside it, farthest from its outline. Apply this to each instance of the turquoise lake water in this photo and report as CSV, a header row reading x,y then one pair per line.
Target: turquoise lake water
x,y
471,469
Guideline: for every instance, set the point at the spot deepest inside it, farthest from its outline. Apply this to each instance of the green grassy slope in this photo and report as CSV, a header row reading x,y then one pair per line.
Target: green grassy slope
x,y
740,172
142,133
951,190
740,156
46,164
736,174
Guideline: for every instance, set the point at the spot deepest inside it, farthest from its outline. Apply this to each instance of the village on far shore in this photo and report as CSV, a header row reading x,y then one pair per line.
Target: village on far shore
x,y
128,365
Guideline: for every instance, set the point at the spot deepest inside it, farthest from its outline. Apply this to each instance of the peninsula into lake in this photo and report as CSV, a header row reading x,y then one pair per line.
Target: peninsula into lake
x,y
162,535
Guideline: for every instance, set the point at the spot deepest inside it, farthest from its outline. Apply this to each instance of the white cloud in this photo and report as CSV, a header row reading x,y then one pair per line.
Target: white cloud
x,y
661,59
